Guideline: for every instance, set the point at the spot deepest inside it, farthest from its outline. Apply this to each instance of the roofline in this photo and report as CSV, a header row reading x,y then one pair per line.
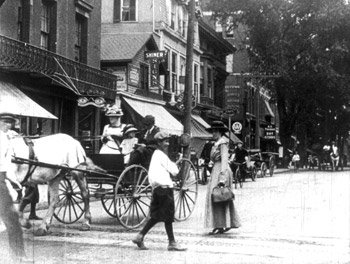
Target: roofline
x,y
214,34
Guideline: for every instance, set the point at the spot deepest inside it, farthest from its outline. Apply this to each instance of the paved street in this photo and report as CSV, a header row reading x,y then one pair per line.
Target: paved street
x,y
290,218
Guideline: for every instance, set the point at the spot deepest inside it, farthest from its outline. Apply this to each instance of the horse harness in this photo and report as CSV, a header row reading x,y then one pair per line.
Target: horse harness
x,y
32,156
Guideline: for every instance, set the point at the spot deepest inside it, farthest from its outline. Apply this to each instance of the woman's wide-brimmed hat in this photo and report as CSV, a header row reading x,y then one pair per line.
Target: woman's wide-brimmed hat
x,y
128,129
217,125
114,111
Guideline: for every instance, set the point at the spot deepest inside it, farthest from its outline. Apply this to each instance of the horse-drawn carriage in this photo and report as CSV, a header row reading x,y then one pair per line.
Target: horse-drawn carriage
x,y
264,162
124,191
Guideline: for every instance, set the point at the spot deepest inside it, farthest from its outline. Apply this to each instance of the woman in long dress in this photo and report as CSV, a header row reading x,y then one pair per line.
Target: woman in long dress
x,y
112,135
221,217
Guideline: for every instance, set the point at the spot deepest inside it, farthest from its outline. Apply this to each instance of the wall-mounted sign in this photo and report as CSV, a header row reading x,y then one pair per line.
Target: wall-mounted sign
x,y
181,100
237,127
270,132
120,72
134,75
154,72
159,55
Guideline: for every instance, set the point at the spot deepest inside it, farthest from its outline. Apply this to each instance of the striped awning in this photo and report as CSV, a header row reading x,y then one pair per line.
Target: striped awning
x,y
14,101
163,119
198,128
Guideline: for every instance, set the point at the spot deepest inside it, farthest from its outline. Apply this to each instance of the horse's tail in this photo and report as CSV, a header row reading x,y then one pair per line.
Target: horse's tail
x,y
90,165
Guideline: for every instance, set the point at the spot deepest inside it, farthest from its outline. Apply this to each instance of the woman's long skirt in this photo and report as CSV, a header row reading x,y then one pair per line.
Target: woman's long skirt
x,y
220,215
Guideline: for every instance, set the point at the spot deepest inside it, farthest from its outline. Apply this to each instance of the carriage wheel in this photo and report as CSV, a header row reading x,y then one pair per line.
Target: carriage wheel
x,y
186,189
263,169
133,195
238,179
71,205
253,173
108,202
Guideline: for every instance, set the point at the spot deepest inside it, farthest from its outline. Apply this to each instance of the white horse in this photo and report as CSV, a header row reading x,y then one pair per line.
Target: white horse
x,y
58,149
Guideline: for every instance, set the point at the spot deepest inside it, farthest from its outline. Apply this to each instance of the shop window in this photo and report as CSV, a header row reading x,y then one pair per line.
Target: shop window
x,y
124,10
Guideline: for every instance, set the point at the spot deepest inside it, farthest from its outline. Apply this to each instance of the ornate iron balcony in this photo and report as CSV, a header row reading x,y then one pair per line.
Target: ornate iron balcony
x,y
17,55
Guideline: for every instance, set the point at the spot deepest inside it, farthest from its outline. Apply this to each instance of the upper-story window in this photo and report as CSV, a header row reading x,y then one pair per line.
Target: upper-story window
x,y
20,21
201,81
174,72
45,26
182,21
124,10
173,15
195,79
78,38
210,83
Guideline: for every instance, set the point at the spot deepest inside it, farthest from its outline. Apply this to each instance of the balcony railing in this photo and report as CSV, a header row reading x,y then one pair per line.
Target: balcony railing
x,y
19,55
205,100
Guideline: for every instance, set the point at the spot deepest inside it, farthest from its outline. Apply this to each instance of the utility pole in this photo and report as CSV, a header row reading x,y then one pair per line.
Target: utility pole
x,y
189,73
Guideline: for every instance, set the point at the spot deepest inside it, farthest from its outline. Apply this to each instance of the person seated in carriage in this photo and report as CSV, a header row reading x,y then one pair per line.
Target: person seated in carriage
x,y
112,133
129,142
147,143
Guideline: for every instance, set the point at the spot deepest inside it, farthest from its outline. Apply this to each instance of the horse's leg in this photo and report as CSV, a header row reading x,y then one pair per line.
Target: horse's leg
x,y
53,194
82,183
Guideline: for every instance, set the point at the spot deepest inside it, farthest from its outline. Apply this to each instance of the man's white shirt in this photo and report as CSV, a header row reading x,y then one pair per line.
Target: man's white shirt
x,y
160,169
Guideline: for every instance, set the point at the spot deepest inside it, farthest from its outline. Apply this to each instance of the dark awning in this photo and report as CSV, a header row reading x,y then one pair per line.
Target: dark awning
x,y
14,101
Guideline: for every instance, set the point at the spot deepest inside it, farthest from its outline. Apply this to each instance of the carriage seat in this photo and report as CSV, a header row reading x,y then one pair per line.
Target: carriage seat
x,y
112,163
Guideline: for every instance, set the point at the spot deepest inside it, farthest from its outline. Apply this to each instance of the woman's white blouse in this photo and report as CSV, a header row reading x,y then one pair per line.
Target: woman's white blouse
x,y
160,169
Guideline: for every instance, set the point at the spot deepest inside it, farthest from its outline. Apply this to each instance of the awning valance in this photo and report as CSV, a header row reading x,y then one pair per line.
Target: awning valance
x,y
163,119
14,101
233,137
198,128
268,107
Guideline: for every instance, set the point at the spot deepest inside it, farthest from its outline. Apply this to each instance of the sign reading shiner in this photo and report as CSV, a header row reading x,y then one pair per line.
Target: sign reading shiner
x,y
155,55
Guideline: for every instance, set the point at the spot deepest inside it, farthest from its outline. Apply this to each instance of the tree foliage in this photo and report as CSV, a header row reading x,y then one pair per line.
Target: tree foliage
x,y
307,43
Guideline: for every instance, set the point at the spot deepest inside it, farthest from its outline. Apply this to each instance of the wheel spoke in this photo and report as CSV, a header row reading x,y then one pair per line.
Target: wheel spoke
x,y
124,204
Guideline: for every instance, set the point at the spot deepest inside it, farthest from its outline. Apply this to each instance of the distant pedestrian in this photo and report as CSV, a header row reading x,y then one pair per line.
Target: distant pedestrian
x,y
220,216
162,205
296,161
334,153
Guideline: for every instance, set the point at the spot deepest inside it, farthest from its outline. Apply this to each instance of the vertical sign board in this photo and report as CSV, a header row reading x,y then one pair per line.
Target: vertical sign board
x,y
154,72
270,132
120,72
134,75
155,58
